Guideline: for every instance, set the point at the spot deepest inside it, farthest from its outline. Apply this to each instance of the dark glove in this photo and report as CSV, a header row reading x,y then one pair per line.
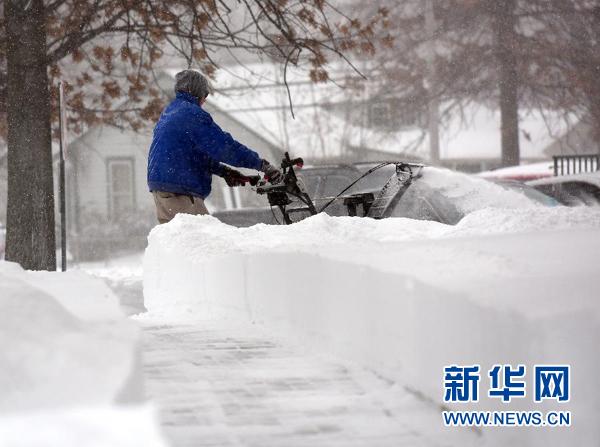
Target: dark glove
x,y
272,174
233,177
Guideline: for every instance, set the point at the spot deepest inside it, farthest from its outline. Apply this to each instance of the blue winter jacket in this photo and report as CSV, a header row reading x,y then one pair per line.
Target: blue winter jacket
x,y
187,148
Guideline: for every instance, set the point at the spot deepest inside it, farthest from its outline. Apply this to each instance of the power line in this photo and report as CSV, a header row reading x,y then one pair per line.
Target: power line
x,y
282,84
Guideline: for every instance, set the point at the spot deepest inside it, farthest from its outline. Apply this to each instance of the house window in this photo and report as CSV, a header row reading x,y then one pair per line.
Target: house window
x,y
121,193
381,114
411,115
395,114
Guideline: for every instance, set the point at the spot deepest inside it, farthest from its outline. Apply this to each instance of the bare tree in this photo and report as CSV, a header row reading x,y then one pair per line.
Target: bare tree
x,y
565,45
476,60
515,55
107,51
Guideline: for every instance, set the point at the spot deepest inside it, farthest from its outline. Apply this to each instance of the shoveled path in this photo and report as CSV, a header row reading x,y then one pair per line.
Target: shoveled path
x,y
218,385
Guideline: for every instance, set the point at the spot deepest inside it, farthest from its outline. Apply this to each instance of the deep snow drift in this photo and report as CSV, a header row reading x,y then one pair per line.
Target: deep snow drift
x,y
68,361
204,237
98,426
470,193
404,297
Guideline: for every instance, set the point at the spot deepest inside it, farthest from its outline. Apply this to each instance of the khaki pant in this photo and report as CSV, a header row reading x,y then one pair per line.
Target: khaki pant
x,y
168,204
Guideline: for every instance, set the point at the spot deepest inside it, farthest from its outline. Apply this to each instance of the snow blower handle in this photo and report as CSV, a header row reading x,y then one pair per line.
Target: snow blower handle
x,y
287,162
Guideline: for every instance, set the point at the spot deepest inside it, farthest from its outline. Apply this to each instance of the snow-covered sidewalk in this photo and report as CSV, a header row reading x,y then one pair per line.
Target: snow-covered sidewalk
x,y
223,383
404,298
219,384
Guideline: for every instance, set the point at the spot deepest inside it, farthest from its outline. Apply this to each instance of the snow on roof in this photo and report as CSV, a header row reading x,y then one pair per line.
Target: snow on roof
x,y
256,96
522,172
480,137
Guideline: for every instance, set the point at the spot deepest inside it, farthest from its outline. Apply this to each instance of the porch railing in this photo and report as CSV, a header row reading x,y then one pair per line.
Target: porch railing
x,y
576,164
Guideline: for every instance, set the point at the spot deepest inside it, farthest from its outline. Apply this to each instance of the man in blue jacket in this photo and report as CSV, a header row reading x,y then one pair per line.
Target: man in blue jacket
x,y
188,147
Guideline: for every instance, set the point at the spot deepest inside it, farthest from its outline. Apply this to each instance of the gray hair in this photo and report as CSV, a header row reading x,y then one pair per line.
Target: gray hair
x,y
192,82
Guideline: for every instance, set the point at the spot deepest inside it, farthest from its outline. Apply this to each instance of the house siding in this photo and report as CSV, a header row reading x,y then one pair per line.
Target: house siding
x,y
93,152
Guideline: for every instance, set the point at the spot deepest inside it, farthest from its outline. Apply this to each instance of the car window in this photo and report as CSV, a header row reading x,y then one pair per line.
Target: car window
x,y
538,196
329,183
374,181
333,184
572,193
551,190
580,193
531,193
421,202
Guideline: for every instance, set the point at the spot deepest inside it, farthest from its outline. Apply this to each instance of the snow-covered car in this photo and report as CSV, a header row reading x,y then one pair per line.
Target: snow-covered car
x,y
571,190
529,191
434,194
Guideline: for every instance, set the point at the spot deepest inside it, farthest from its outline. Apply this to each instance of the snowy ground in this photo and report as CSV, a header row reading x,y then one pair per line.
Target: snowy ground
x,y
124,276
334,331
403,298
235,385
70,369
65,342
97,426
224,383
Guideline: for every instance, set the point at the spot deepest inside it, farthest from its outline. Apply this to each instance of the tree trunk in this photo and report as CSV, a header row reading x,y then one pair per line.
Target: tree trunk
x,y
505,22
30,210
433,103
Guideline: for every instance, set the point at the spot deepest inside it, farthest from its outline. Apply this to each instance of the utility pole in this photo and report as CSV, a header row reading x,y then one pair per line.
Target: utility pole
x,y
433,104
61,178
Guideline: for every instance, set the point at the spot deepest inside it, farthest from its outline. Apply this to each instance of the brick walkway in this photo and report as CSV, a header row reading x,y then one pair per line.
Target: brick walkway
x,y
219,386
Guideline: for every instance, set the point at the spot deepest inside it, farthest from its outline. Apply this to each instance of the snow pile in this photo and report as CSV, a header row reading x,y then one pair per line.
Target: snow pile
x,y
495,221
202,237
401,296
63,340
470,193
124,426
65,348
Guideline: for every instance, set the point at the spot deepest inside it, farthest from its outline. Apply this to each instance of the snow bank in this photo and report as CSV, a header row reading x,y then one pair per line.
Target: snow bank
x,y
404,297
68,360
203,238
123,426
64,341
